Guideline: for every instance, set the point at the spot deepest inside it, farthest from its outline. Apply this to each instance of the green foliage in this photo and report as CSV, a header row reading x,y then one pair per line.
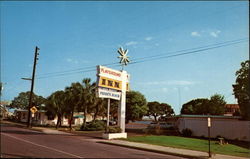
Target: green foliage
x,y
94,126
213,106
187,132
56,106
159,109
242,90
22,101
136,106
114,129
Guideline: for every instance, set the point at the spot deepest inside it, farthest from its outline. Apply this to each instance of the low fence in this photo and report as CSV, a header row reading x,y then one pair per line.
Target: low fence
x,y
233,129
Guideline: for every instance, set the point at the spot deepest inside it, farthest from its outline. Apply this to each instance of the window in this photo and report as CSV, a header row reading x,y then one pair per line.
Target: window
x,y
50,117
24,115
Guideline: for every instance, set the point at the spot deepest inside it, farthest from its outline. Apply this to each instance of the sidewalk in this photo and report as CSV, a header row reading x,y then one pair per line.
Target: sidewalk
x,y
168,150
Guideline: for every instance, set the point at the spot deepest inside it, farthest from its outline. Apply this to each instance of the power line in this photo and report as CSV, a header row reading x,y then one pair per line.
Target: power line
x,y
189,52
116,63
201,47
148,58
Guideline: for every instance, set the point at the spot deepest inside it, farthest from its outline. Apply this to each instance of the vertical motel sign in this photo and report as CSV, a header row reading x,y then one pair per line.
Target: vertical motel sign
x,y
113,84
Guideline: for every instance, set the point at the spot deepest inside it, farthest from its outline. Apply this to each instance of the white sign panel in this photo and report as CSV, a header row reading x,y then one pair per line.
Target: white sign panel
x,y
209,122
110,73
107,93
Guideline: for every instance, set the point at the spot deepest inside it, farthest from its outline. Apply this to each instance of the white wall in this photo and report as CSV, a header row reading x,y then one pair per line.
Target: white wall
x,y
228,128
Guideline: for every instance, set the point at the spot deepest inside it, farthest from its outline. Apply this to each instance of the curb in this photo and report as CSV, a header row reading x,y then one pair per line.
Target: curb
x,y
156,151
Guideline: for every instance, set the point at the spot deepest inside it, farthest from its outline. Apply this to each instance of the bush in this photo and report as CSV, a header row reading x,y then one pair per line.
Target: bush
x,y
114,129
94,126
187,132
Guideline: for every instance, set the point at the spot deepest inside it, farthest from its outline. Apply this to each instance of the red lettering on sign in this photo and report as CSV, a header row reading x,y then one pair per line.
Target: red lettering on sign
x,y
110,72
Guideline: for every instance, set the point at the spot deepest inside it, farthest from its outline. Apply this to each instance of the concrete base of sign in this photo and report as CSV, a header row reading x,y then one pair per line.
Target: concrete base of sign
x,y
114,135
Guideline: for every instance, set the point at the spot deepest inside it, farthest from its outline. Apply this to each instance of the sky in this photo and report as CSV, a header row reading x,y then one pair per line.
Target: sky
x,y
75,37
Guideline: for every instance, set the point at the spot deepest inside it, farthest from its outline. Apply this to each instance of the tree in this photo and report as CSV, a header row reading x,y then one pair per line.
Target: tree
x,y
214,106
242,90
195,106
56,106
159,109
166,110
87,97
99,107
72,100
136,106
154,109
22,101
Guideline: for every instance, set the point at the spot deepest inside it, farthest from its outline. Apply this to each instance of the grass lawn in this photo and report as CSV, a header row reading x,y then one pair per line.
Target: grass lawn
x,y
193,144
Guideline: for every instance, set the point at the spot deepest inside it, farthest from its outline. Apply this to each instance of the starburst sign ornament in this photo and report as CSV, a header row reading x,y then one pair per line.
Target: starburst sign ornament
x,y
124,58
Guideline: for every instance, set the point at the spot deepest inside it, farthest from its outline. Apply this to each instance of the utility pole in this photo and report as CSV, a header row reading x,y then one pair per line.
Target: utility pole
x,y
32,87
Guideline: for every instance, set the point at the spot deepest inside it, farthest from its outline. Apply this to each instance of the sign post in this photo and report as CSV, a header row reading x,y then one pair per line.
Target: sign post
x,y
122,104
209,125
33,111
107,128
113,84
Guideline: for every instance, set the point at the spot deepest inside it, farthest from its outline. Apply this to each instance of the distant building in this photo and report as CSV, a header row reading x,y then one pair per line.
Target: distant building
x,y
4,111
232,109
40,118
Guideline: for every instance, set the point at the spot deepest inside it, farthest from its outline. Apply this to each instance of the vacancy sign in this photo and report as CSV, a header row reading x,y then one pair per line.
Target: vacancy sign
x,y
108,93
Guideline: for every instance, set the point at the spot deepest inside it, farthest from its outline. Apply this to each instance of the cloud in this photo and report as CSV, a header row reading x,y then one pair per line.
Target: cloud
x,y
72,61
148,38
186,88
164,90
131,43
215,34
195,34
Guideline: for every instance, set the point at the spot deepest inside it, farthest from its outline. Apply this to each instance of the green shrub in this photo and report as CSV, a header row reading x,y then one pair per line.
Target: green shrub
x,y
114,129
187,132
94,126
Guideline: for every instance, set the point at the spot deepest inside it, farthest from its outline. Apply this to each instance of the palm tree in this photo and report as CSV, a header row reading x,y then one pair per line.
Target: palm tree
x,y
73,99
100,108
87,97
56,106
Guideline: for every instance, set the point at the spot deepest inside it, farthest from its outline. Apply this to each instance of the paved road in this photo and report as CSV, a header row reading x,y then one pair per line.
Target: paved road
x,y
23,143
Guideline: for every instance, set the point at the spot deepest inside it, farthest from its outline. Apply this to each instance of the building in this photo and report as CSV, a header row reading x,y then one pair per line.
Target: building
x,y
40,118
4,111
232,109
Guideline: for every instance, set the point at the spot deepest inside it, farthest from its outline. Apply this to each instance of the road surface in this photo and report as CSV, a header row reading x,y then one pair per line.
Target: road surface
x,y
17,142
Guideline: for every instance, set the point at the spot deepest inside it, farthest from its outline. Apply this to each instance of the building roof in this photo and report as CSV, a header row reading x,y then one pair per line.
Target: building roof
x,y
24,110
235,106
206,116
5,102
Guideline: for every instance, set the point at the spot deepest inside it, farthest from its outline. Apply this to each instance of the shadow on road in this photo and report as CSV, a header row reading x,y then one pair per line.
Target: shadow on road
x,y
7,155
